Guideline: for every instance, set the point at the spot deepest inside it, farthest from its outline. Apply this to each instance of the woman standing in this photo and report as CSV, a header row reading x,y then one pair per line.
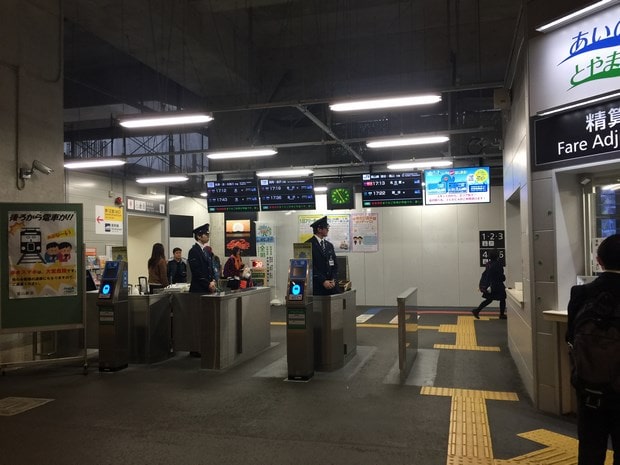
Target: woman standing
x,y
492,285
157,266
233,268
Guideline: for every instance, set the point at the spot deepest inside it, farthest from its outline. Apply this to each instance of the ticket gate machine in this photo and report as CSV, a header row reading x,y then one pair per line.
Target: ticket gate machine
x,y
113,310
299,326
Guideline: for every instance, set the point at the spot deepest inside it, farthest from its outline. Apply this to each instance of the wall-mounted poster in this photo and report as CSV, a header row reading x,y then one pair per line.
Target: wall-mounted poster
x,y
41,252
240,231
338,235
364,232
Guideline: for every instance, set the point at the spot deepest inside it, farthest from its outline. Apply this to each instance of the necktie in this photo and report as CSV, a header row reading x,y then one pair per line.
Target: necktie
x,y
323,245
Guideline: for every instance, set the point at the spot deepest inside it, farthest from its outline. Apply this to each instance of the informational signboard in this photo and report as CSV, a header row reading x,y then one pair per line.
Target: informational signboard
x,y
392,189
287,194
145,205
457,185
490,240
108,220
580,136
42,262
239,195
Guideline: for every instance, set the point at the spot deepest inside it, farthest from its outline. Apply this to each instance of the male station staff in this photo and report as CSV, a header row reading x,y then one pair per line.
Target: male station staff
x,y
324,264
200,259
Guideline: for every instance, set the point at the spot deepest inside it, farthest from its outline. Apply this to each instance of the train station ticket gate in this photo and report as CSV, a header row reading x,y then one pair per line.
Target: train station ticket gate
x,y
113,310
299,326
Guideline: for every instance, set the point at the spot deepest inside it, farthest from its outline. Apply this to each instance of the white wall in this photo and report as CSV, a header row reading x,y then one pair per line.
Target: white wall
x,y
434,248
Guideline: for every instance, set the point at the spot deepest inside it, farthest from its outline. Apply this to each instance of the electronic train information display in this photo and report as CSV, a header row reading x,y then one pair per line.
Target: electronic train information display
x,y
239,195
392,189
457,185
287,194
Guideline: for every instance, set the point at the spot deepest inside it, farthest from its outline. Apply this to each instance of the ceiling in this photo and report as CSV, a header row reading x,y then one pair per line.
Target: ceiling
x,y
267,70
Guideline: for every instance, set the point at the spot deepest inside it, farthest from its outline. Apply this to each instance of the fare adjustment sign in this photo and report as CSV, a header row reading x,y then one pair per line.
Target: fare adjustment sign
x,y
577,137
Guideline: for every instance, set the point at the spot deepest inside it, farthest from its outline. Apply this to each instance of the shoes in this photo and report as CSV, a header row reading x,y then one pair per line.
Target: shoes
x,y
503,317
476,313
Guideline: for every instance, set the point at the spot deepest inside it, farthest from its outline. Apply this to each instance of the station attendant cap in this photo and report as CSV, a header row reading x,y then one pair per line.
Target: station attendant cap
x,y
320,223
204,229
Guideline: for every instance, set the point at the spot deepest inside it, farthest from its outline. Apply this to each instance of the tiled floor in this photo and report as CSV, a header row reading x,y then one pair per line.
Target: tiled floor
x,y
463,403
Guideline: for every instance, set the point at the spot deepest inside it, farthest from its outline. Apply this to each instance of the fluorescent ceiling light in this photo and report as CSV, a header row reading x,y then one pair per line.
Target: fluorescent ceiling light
x,y
386,103
163,119
162,179
98,163
405,141
574,16
241,153
275,173
420,164
611,187
203,194
320,189
572,106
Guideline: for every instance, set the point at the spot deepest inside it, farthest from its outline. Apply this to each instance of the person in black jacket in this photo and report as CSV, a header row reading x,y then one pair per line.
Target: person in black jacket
x,y
598,417
177,268
324,263
492,285
200,258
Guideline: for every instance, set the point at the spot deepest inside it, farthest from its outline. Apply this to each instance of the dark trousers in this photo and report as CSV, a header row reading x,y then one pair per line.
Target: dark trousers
x,y
595,426
502,305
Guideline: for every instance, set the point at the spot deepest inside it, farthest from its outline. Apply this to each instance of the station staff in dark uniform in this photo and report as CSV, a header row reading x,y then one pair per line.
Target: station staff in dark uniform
x,y
200,259
324,264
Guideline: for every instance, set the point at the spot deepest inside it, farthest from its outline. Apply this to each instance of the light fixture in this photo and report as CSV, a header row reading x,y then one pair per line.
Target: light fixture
x,y
242,153
203,194
572,106
163,119
162,179
575,15
95,163
406,141
395,102
320,189
611,187
284,173
26,173
420,164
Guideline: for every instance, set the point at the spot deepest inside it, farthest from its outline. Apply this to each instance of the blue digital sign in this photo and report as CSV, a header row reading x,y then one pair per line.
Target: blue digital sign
x,y
457,185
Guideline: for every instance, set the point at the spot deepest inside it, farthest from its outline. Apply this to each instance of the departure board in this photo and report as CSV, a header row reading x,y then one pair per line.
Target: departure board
x,y
239,195
392,189
287,194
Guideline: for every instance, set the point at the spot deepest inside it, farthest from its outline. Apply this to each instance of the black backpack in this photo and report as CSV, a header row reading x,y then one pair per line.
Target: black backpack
x,y
595,350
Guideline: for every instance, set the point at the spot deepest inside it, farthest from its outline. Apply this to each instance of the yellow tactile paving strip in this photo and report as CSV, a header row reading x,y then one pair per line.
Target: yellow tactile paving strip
x,y
465,336
469,439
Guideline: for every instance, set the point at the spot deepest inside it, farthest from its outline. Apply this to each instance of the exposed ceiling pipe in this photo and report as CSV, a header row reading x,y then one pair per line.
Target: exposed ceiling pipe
x,y
329,132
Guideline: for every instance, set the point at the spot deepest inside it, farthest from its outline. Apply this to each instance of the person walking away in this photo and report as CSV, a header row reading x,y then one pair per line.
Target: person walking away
x,y
593,337
492,285
158,273
200,259
324,263
177,268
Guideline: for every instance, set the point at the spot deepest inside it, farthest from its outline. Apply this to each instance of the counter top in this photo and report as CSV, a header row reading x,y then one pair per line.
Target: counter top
x,y
560,316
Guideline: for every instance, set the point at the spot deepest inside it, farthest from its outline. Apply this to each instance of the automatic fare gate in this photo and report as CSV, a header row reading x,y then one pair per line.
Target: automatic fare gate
x,y
113,312
299,327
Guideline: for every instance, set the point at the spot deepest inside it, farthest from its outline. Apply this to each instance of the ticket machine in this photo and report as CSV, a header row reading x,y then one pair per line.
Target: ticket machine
x,y
113,313
299,327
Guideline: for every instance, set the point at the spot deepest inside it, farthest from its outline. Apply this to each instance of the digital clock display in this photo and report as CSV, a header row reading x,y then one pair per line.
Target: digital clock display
x,y
240,195
287,194
392,189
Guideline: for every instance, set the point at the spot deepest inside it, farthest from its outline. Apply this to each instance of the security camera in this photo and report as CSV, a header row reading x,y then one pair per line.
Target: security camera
x,y
42,167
